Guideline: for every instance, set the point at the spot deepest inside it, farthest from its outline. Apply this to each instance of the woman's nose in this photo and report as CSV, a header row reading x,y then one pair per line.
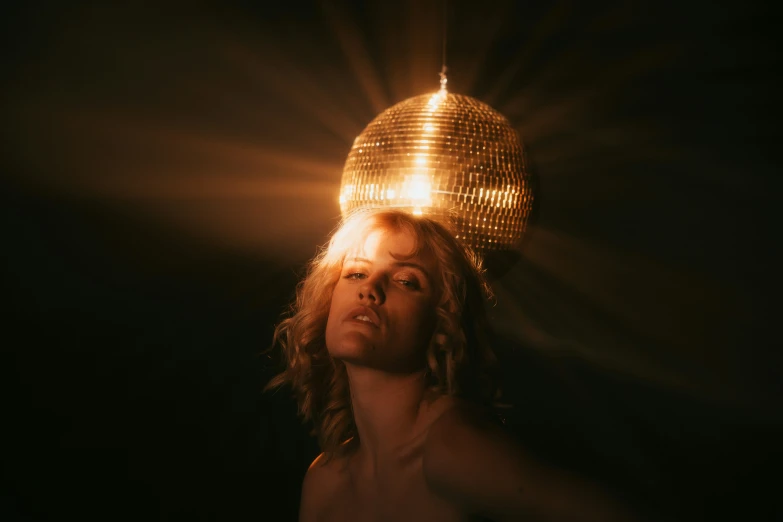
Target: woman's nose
x,y
372,290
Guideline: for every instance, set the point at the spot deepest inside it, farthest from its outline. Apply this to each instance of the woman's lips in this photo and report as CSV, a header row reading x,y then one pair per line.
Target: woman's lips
x,y
362,312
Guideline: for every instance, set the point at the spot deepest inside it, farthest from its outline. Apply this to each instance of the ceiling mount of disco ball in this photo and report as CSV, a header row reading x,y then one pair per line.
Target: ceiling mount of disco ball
x,y
444,155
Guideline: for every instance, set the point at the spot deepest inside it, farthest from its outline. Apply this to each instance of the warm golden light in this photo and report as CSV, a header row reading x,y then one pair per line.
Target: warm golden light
x,y
444,155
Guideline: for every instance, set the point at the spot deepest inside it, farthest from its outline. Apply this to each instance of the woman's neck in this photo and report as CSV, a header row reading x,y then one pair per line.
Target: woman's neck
x,y
387,410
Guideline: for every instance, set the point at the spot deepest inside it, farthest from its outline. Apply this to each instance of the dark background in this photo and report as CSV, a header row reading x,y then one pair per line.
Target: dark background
x,y
169,170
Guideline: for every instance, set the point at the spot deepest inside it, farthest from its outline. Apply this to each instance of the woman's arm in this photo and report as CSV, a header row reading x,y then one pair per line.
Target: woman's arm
x,y
476,464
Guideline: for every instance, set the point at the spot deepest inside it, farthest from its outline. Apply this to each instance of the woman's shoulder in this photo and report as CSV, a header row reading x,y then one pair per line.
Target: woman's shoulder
x,y
446,409
457,425
330,466
327,465
322,481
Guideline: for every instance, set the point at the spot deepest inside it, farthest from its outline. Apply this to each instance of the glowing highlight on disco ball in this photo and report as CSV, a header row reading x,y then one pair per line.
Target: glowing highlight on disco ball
x,y
443,155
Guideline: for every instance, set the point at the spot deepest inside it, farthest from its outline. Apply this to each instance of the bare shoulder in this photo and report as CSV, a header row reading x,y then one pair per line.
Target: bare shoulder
x,y
320,483
455,422
470,460
449,413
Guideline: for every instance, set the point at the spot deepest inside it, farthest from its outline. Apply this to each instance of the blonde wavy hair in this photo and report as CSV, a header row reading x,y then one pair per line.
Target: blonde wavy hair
x,y
459,359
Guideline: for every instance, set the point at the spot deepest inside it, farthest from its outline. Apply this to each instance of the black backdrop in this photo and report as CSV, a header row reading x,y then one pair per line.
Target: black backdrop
x,y
169,170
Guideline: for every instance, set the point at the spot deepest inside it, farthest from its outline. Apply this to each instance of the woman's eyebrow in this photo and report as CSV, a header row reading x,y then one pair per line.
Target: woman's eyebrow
x,y
408,264
413,265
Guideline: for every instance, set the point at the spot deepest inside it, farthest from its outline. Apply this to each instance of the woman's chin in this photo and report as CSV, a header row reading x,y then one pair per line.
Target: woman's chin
x,y
352,343
352,347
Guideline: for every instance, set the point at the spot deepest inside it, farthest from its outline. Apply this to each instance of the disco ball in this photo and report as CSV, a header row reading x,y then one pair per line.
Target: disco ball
x,y
448,156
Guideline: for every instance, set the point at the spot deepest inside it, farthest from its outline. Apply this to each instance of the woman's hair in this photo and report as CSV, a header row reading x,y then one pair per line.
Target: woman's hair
x,y
459,358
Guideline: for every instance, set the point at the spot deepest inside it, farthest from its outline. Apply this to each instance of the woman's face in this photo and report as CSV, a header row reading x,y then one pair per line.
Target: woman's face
x,y
383,307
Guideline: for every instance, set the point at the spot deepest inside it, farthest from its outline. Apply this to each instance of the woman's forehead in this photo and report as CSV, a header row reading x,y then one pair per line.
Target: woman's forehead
x,y
401,244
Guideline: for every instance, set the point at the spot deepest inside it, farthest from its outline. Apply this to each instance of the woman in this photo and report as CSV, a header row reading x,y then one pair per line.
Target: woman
x,y
387,354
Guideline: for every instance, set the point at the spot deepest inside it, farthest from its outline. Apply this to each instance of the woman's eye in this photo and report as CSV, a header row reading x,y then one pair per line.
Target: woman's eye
x,y
409,283
354,275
